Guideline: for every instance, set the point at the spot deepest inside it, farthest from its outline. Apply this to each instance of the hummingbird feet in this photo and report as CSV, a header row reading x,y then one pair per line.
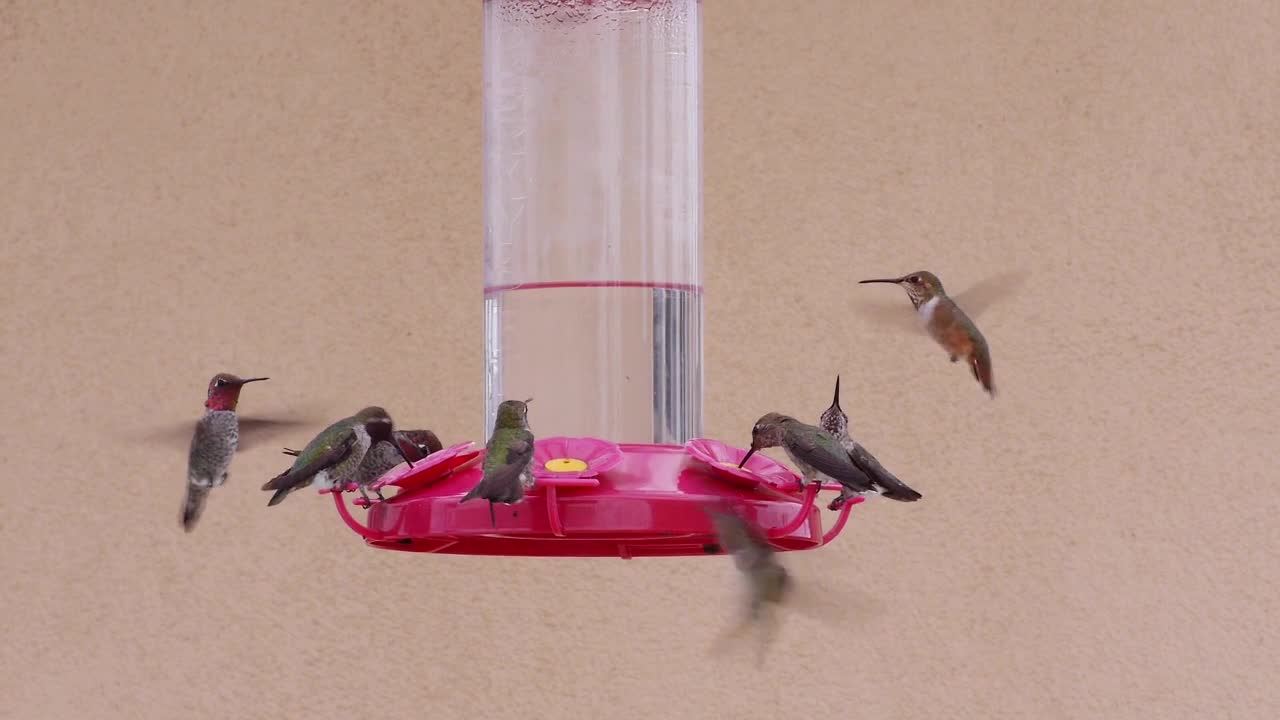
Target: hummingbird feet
x,y
365,501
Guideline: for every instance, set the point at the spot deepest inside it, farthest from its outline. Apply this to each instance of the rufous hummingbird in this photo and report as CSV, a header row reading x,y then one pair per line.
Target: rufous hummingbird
x,y
946,323
508,458
213,445
333,457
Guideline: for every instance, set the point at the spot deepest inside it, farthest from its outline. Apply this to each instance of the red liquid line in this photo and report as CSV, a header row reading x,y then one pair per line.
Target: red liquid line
x,y
685,287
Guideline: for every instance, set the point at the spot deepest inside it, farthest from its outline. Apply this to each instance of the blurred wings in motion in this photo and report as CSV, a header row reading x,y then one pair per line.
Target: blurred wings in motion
x,y
254,432
766,580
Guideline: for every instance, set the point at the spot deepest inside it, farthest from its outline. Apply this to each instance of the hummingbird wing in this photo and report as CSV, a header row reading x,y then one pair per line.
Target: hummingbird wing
x,y
821,451
979,298
868,464
253,432
741,539
895,316
506,470
262,431
313,460
893,487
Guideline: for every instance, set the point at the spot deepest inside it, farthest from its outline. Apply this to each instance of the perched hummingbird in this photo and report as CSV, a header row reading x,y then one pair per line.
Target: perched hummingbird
x,y
213,445
835,422
333,457
508,458
946,323
414,444
814,451
768,583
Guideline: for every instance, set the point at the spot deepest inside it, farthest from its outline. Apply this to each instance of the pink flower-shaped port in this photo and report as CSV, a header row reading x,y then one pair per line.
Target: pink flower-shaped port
x,y
574,457
428,469
724,459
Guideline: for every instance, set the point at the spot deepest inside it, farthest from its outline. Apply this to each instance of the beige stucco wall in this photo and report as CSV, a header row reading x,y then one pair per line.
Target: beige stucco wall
x,y
193,187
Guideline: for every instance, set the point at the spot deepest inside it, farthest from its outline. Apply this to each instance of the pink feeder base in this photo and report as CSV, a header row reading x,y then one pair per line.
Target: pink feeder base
x,y
645,501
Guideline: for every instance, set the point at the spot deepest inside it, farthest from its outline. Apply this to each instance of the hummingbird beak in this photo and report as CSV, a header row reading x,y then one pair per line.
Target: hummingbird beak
x,y
891,281
747,457
835,403
242,382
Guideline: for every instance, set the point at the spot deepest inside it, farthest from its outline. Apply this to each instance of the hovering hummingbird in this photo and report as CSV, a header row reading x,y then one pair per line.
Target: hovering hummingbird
x,y
768,583
333,457
946,323
414,445
213,445
508,458
836,423
814,451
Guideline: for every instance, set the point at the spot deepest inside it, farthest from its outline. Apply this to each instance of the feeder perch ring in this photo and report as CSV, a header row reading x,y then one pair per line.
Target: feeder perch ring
x,y
630,500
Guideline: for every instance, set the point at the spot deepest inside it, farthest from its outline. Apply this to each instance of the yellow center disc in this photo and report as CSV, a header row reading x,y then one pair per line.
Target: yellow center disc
x,y
732,465
565,465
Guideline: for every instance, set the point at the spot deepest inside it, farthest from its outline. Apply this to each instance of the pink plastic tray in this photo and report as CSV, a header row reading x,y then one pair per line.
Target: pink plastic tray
x,y
593,498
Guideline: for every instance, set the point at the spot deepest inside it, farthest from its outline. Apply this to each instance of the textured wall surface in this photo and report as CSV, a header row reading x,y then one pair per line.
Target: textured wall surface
x,y
190,187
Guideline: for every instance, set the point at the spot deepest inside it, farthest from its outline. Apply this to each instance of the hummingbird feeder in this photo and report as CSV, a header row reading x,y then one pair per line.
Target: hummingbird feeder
x,y
593,305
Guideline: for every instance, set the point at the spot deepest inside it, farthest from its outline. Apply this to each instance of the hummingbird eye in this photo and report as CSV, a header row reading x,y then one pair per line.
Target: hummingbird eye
x,y
913,279
219,382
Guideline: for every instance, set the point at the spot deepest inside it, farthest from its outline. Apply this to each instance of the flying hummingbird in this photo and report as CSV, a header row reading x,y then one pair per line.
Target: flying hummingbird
x,y
768,583
332,458
213,445
814,451
835,422
946,323
508,458
414,445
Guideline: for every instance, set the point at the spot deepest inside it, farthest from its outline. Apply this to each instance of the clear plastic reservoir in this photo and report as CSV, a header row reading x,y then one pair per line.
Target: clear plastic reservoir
x,y
592,181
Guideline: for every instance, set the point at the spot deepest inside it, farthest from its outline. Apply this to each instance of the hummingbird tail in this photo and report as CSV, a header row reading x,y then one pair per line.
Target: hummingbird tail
x,y
494,492
193,506
276,482
472,494
278,497
283,484
901,493
980,363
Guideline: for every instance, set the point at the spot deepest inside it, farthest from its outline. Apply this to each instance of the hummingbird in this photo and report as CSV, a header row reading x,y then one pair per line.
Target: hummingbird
x,y
332,458
213,445
946,323
836,423
415,444
508,458
814,451
768,583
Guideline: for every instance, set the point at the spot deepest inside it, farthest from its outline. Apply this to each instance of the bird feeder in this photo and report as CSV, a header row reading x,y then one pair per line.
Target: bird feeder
x,y
593,304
